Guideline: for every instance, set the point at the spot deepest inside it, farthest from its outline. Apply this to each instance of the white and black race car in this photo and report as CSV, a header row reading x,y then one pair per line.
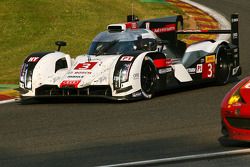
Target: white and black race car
x,y
134,60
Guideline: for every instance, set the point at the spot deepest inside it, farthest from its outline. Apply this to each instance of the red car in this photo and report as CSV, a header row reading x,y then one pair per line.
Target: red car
x,y
235,112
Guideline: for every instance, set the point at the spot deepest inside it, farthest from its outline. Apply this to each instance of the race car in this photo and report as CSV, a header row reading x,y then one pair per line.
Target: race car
x,y
235,114
133,60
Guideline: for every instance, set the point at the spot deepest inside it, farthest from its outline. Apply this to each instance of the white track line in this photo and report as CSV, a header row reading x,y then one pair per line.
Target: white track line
x,y
224,24
8,101
183,158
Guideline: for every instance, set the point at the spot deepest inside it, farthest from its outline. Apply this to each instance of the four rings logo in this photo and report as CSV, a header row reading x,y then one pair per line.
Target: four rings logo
x,y
127,58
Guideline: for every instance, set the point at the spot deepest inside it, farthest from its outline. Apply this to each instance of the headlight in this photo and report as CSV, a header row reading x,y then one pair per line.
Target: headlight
x,y
235,98
22,72
26,76
28,83
124,73
121,75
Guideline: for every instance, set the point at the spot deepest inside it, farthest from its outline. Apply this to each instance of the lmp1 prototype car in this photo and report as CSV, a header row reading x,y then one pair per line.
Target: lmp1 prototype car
x,y
235,114
133,60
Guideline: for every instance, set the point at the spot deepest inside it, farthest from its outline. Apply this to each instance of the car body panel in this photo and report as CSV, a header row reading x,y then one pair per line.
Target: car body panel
x,y
114,65
236,116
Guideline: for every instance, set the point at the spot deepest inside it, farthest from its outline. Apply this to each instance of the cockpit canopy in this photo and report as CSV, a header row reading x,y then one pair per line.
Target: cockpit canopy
x,y
114,43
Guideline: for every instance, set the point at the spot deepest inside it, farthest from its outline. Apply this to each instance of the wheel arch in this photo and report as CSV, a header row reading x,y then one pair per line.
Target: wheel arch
x,y
48,67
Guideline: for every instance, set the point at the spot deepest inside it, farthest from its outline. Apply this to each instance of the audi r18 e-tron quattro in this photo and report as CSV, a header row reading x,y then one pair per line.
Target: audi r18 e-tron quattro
x,y
133,60
235,114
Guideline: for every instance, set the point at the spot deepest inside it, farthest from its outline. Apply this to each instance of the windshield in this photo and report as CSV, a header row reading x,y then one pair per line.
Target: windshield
x,y
113,43
112,48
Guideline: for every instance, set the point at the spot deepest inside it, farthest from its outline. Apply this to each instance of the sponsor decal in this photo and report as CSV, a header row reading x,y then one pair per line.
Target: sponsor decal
x,y
247,85
70,83
208,70
85,66
235,20
235,70
74,76
245,91
82,72
210,59
199,68
33,59
127,58
191,70
136,94
237,104
235,35
169,62
202,60
165,70
131,25
136,76
167,28
193,31
101,79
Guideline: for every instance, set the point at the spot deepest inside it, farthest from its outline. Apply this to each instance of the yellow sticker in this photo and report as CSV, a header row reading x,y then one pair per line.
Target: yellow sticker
x,y
210,59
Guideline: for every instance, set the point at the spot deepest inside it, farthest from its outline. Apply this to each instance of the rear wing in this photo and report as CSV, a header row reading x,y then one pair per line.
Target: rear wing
x,y
165,28
234,31
168,28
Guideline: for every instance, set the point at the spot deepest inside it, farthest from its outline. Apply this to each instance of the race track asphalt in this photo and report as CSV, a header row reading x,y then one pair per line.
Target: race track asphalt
x,y
97,132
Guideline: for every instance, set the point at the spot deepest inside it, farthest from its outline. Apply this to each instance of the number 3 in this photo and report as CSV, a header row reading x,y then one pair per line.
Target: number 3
x,y
210,70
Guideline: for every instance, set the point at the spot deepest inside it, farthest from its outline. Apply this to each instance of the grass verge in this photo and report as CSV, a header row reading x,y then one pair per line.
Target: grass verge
x,y
29,26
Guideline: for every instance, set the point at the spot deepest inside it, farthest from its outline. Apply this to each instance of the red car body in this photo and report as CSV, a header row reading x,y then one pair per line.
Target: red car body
x,y
235,112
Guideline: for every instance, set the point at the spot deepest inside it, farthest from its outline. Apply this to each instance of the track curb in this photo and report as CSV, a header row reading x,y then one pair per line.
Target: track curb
x,y
222,21
8,93
205,19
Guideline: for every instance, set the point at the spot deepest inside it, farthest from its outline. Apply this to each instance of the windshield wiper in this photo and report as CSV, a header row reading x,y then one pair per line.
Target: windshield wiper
x,y
104,49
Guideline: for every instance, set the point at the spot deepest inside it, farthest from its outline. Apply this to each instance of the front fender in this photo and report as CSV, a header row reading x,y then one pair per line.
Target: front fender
x,y
43,68
133,82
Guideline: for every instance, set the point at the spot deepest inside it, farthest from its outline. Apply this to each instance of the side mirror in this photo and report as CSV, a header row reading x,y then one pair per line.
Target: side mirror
x,y
60,44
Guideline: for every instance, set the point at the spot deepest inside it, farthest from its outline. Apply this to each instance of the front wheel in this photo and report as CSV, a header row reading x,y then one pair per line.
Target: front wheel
x,y
148,78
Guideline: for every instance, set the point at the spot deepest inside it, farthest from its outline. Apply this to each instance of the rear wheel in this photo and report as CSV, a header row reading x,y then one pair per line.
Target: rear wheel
x,y
148,78
223,66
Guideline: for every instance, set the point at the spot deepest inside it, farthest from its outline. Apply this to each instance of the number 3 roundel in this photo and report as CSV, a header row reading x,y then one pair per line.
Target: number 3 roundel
x,y
85,66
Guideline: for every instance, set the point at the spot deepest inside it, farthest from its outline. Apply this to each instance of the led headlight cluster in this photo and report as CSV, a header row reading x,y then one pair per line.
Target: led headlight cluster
x,y
26,76
124,72
235,98
121,75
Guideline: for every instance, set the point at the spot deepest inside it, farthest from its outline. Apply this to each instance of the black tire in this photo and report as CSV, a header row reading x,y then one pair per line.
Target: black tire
x,y
223,66
224,130
148,78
